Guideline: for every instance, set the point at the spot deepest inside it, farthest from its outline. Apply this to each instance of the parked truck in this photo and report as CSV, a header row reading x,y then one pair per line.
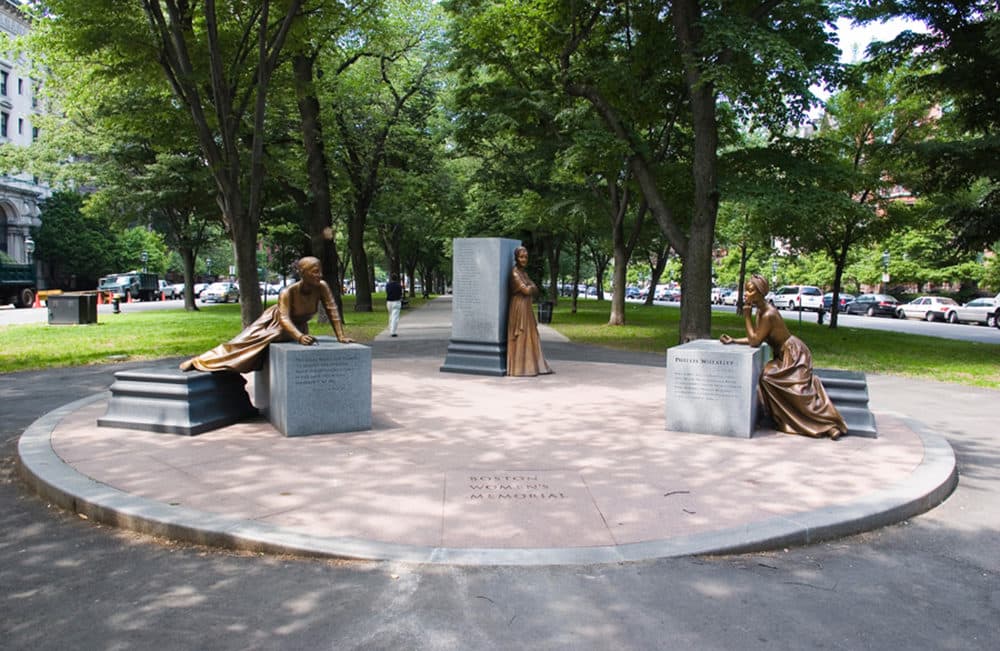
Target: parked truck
x,y
17,284
132,284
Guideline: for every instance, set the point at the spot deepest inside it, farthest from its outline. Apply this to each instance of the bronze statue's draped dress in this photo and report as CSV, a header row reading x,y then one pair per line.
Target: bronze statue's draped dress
x,y
794,396
524,348
280,322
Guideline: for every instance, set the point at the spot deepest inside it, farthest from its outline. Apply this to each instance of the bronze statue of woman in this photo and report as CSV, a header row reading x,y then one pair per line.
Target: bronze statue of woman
x,y
288,320
791,393
524,347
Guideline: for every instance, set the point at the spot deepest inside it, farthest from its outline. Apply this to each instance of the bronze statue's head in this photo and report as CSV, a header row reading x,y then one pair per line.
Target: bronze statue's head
x,y
307,261
518,252
759,283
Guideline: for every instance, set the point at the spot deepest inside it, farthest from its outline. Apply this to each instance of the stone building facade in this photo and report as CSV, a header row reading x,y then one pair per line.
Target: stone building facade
x,y
20,195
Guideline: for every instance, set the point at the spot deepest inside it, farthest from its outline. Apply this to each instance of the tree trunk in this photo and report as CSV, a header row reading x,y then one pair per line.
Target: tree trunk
x,y
555,249
656,268
840,262
359,261
743,276
187,258
320,213
696,308
577,255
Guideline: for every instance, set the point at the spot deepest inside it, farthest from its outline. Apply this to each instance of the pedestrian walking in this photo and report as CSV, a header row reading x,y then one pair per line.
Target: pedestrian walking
x,y
393,302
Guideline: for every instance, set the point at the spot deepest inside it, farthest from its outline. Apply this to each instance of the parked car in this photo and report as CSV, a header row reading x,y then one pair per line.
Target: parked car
x,y
929,308
167,290
980,310
798,297
222,292
844,300
731,297
178,290
873,305
631,292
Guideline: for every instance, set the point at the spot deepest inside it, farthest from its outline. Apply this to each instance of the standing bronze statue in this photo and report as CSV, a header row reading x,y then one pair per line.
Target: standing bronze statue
x,y
791,393
524,347
288,320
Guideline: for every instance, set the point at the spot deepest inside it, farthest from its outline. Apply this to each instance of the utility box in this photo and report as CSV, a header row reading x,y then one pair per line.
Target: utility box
x,y
72,309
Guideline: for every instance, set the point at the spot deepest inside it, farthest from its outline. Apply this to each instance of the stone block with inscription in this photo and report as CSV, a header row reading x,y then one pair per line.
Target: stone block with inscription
x,y
712,387
481,268
321,389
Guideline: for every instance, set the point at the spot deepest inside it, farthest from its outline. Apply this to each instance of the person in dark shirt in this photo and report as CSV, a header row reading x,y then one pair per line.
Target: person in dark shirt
x,y
393,302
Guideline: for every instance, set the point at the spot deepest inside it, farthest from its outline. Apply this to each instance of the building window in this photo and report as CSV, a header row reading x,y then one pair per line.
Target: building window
x,y
34,134
20,126
4,119
3,82
20,86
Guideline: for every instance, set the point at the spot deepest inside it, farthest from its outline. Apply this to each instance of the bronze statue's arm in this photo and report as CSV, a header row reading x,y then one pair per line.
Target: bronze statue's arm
x,y
285,316
523,285
326,296
755,333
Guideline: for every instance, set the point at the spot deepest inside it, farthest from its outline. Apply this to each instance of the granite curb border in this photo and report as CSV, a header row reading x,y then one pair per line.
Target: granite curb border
x,y
50,477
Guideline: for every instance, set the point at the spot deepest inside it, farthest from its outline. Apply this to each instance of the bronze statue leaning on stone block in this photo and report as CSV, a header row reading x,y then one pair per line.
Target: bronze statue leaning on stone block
x,y
790,392
288,320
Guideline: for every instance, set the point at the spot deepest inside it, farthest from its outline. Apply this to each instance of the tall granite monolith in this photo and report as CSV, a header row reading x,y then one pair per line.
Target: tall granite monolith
x,y
481,270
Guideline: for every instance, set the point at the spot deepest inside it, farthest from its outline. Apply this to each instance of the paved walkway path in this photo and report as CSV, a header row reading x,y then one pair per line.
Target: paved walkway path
x,y
575,467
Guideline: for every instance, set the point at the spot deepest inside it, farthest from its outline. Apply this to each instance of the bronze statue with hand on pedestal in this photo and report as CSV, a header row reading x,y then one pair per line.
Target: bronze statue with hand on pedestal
x,y
288,320
790,392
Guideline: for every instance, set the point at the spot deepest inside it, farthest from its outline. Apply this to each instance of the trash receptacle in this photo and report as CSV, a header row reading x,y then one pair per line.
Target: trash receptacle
x,y
545,312
820,314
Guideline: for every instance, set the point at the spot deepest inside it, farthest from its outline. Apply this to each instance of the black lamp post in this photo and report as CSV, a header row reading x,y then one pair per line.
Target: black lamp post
x,y
144,256
208,268
885,272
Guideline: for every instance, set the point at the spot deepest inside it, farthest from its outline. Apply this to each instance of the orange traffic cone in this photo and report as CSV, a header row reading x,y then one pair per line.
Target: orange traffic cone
x,y
129,297
163,296
100,298
38,302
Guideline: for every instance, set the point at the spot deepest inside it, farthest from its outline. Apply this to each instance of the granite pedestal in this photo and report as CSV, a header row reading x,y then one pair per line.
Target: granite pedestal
x,y
321,389
165,399
712,387
481,271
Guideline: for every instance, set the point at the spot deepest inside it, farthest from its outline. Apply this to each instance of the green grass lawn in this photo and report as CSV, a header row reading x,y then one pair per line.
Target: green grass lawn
x,y
655,328
174,333
153,334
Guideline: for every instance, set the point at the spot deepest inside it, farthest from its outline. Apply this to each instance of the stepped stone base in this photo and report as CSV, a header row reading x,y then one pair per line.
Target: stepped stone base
x,y
171,401
848,390
476,358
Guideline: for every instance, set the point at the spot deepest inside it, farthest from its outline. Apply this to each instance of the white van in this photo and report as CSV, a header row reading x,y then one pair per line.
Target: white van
x,y
798,297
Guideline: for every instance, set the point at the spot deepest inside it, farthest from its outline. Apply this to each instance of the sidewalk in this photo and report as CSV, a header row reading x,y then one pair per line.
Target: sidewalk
x,y
575,467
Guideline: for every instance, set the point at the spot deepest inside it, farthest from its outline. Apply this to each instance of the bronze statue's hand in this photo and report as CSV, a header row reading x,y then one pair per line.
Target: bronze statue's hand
x,y
748,309
307,340
726,339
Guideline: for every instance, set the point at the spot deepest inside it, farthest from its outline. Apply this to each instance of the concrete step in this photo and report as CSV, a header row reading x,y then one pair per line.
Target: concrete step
x,y
841,396
860,421
843,379
848,391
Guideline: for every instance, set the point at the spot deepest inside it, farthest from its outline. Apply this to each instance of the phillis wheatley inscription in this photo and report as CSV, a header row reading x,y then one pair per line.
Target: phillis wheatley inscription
x,y
705,379
712,388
